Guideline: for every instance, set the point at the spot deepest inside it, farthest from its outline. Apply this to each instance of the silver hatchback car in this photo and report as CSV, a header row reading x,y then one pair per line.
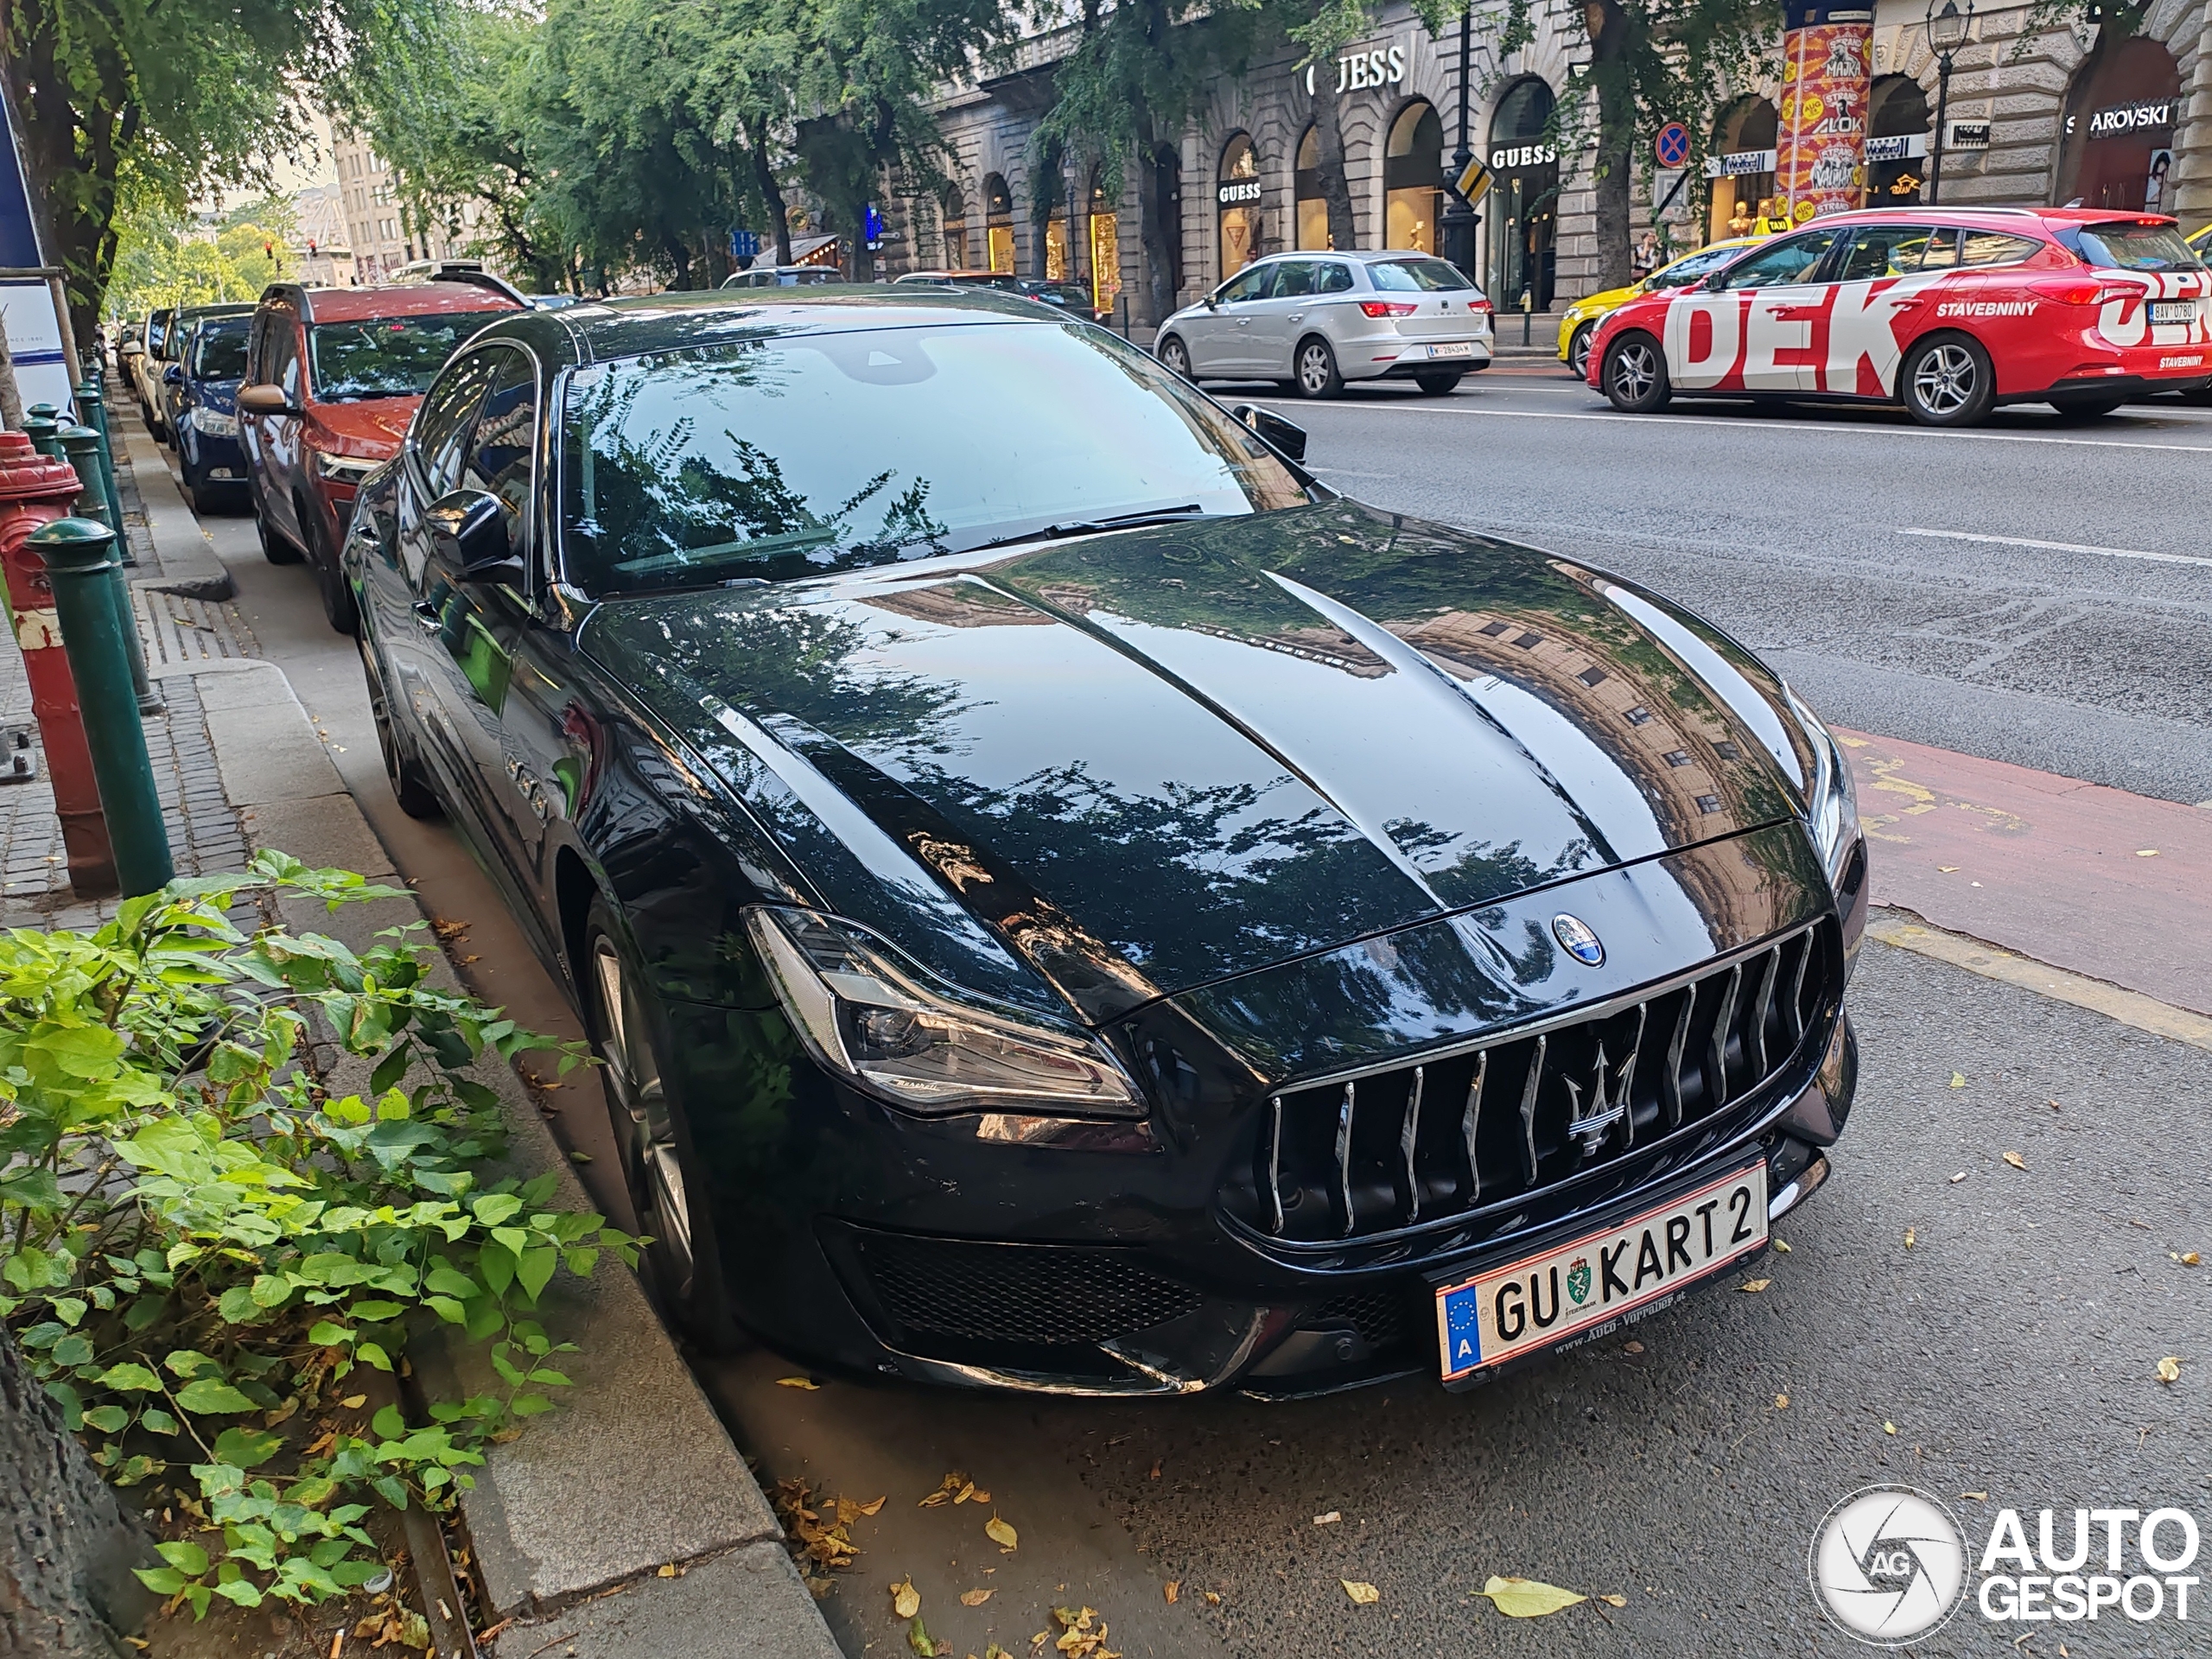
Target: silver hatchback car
x,y
1315,320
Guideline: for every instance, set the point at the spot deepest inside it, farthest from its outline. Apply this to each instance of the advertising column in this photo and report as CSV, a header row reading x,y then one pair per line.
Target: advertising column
x,y
1824,83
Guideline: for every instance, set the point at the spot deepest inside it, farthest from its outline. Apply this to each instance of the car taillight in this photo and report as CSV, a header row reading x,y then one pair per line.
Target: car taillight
x,y
1388,307
2074,290
1478,305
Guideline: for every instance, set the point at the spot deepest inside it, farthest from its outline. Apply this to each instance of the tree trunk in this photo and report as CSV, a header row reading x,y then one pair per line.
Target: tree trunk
x,y
1151,229
1329,134
772,192
67,1546
1608,28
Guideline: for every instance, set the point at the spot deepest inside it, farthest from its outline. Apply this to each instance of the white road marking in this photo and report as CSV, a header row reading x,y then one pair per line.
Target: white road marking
x,y
2060,547
1786,426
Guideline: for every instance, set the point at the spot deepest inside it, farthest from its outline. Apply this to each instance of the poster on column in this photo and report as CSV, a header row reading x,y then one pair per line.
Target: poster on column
x,y
1824,83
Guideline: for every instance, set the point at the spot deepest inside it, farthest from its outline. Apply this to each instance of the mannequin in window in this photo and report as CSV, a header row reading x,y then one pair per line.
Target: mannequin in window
x,y
1739,222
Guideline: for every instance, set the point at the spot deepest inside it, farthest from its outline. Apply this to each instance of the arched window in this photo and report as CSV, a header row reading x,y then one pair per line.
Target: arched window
x,y
1105,247
1896,142
1743,143
956,231
1312,206
1523,203
1237,198
1413,179
998,224
2116,148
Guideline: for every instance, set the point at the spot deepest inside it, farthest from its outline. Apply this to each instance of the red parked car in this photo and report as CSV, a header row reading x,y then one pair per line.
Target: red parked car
x,y
331,380
1949,313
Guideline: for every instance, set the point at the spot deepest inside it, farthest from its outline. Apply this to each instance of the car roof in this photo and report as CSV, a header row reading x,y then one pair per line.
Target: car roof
x,y
207,312
392,300
1992,218
605,330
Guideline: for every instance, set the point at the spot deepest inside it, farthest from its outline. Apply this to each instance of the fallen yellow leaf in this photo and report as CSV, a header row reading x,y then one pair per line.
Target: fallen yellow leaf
x,y
1528,1598
1631,1347
1783,1245
1173,1589
1330,1519
354,1401
668,1570
1001,1534
1958,1080
870,1508
974,1598
2189,1258
2015,1161
1614,1601
1911,1238
995,1651
1361,1594
2146,852
1755,1286
1889,1428
1781,1403
946,1489
905,1600
978,1494
1213,1598
796,1382
2169,1368
1979,1497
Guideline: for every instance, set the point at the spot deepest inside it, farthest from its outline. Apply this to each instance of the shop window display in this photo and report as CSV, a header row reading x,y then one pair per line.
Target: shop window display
x,y
1743,145
1413,178
1522,207
1105,249
1312,207
1237,196
998,224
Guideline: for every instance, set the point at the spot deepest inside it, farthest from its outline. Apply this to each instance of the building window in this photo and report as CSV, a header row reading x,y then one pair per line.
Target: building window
x,y
1312,205
1523,203
1237,198
956,231
1105,249
1743,149
1896,121
1413,179
998,225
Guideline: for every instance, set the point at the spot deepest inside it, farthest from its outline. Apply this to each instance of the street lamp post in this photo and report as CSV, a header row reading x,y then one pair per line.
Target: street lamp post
x,y
1947,33
1459,218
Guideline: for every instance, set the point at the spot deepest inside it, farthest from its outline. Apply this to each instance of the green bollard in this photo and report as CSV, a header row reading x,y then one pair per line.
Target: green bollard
x,y
81,444
91,399
43,431
79,556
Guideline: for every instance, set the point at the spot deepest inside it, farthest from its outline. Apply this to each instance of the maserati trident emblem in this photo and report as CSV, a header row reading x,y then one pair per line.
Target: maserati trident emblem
x,y
1608,1096
1580,942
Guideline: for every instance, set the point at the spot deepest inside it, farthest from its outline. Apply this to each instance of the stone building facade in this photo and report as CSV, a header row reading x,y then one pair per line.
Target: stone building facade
x,y
2031,119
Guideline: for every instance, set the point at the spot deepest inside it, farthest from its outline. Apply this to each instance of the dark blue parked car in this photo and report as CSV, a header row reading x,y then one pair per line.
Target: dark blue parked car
x,y
201,392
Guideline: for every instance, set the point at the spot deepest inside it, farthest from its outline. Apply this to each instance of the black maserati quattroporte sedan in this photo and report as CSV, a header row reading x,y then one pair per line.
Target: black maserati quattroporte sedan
x,y
1069,902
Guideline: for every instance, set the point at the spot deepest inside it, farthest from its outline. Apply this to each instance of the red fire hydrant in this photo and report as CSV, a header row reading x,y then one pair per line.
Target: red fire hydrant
x,y
35,491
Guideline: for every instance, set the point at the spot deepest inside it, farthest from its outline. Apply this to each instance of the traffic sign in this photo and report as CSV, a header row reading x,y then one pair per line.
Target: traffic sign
x,y
1473,184
1673,144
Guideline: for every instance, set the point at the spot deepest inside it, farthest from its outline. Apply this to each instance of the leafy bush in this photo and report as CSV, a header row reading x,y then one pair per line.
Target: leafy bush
x,y
200,1240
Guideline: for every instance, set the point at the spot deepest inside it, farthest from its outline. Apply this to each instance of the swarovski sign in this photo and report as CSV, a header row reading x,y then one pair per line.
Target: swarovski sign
x,y
2144,113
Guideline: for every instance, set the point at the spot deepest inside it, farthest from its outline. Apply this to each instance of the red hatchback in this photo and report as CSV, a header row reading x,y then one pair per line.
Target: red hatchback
x,y
1949,313
333,376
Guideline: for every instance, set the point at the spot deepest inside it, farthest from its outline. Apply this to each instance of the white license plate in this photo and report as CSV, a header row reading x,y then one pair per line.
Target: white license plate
x,y
2173,311
1452,349
1548,1299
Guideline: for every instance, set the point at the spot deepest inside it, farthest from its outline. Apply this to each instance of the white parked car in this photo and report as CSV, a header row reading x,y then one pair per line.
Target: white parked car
x,y
1315,320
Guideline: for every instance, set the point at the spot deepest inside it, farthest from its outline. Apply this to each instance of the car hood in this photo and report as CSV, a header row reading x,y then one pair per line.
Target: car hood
x,y
1141,762
374,427
1605,299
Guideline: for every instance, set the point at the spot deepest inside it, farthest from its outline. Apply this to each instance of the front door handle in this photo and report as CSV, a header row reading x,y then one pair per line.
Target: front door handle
x,y
1297,316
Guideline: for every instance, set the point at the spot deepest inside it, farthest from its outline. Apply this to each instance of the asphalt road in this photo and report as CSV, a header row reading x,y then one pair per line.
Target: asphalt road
x,y
2013,1347
1883,566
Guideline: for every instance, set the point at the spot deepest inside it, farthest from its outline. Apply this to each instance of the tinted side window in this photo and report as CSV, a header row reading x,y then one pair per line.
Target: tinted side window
x,y
1794,260
1335,279
1294,280
442,428
1994,247
498,459
1942,251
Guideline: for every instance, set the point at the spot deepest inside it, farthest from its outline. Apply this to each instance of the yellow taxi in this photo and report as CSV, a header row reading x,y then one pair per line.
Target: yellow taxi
x,y
2202,241
1580,326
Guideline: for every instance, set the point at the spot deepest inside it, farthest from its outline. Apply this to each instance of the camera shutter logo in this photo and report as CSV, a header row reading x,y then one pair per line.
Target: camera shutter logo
x,y
1888,1565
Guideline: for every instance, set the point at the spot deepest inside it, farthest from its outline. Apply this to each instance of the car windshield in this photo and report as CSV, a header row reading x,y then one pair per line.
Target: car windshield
x,y
2128,246
782,457
221,351
1689,268
1416,277
387,357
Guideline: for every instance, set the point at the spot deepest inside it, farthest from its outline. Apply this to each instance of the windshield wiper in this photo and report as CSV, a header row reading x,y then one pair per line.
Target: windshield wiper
x,y
1092,526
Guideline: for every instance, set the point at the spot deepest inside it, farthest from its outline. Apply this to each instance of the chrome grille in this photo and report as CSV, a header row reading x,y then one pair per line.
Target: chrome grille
x,y
1395,1147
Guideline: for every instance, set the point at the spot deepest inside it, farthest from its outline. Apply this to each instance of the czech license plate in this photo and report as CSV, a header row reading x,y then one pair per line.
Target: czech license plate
x,y
2173,311
1549,1298
1452,349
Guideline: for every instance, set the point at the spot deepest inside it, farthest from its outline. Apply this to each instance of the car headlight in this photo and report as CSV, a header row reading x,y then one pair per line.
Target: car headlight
x,y
344,469
1831,797
214,422
886,1026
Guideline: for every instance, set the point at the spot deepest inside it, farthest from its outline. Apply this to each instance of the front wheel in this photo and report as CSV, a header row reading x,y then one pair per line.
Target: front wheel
x,y
274,547
1947,381
1317,369
1175,357
338,607
1578,350
1436,385
681,1273
1635,375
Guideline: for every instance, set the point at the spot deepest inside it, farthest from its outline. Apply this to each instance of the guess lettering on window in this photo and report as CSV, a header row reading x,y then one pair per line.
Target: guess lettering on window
x,y
1237,192
1380,66
1509,158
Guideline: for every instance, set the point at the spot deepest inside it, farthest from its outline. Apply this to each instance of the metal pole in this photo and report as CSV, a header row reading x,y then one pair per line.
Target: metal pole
x,y
92,397
80,557
1459,218
1943,109
82,445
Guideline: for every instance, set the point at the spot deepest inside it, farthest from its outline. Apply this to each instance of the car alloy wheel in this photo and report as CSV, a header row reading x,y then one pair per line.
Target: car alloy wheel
x,y
274,547
1946,383
1317,370
1635,375
416,799
1174,357
338,608
1578,350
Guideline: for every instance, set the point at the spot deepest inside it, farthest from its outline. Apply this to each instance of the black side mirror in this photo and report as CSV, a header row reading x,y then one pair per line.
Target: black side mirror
x,y
1286,436
468,531
1211,303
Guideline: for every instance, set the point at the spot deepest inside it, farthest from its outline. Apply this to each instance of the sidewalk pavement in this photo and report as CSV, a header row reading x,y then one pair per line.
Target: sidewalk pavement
x,y
624,1525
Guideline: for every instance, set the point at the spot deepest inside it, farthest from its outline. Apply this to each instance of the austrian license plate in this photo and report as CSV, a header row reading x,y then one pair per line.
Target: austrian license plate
x,y
1452,349
2173,311
1550,1299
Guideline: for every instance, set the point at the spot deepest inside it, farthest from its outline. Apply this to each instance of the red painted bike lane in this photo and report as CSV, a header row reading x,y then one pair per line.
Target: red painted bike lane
x,y
2116,886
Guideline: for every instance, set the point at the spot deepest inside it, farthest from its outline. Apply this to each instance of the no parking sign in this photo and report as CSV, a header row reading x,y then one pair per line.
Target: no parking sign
x,y
1672,146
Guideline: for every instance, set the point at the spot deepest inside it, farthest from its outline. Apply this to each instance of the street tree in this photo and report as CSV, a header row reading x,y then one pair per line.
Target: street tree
x,y
1324,30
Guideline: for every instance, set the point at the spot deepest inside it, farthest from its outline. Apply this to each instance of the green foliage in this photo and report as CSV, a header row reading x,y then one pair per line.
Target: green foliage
x,y
200,1242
